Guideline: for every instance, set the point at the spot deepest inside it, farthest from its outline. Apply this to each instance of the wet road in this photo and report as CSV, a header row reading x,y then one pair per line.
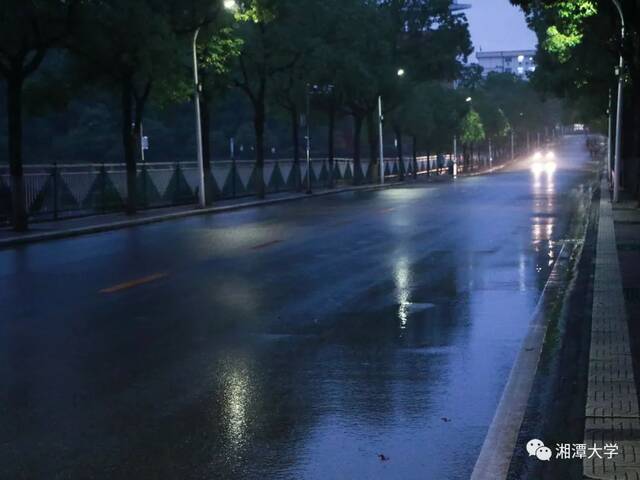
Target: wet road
x,y
294,341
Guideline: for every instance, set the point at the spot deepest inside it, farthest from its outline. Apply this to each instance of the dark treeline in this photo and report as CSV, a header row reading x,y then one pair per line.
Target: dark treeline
x,y
86,79
580,42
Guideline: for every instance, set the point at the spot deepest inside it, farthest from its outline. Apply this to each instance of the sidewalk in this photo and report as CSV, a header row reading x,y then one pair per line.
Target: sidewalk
x,y
73,227
612,414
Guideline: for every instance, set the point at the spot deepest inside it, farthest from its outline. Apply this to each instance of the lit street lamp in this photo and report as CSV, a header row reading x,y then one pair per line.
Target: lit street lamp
x,y
311,90
229,5
400,73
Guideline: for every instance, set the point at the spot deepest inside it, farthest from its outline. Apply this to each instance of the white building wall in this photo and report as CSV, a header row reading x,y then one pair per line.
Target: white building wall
x,y
518,62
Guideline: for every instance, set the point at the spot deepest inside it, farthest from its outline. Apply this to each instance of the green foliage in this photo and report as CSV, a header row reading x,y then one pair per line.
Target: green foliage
x,y
472,129
219,50
578,47
567,31
432,115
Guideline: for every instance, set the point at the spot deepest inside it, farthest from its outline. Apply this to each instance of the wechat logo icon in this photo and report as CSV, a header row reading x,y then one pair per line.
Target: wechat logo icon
x,y
536,448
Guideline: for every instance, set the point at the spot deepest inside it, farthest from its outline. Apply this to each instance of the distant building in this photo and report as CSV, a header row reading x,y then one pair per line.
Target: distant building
x,y
457,6
518,62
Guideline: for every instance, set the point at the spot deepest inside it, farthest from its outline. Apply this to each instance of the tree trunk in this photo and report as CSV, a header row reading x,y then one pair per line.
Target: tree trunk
x,y
295,139
331,146
399,152
415,157
205,120
473,161
259,124
128,142
373,158
465,157
428,162
357,133
15,84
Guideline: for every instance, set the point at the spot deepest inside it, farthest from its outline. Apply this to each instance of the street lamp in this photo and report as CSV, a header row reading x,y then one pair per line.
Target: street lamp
x,y
401,72
620,72
228,5
312,90
196,98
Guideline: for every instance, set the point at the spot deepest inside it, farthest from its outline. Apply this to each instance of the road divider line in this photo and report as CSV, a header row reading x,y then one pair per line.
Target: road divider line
x,y
266,245
135,283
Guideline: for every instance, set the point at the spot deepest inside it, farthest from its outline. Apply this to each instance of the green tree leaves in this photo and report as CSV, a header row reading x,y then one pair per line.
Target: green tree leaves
x,y
472,129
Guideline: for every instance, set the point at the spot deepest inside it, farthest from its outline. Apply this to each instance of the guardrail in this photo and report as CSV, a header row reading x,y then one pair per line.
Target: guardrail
x,y
54,191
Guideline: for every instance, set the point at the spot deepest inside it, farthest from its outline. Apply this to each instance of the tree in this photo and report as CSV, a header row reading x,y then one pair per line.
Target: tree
x,y
574,32
431,116
427,41
471,132
267,28
216,54
217,46
131,46
28,30
471,77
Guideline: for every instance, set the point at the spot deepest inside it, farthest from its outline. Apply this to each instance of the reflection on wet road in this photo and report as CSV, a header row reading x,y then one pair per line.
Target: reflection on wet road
x,y
296,341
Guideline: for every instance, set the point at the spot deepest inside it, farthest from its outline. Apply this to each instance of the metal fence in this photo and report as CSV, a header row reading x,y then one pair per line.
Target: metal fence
x,y
61,191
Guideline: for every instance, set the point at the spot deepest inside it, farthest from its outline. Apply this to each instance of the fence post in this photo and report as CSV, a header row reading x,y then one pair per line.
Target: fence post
x,y
103,188
143,172
233,176
176,193
55,190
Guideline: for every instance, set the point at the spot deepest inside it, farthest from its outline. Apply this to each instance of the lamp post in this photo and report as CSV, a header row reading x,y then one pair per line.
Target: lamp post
x,y
455,156
513,150
400,73
312,90
202,198
469,100
609,139
381,138
620,72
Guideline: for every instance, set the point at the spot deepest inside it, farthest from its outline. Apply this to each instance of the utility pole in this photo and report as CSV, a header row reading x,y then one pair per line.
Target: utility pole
x,y
196,99
380,122
620,71
513,149
455,156
610,139
308,138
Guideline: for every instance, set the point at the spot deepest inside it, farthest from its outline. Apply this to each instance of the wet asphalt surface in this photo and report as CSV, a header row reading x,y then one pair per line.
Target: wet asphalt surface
x,y
302,340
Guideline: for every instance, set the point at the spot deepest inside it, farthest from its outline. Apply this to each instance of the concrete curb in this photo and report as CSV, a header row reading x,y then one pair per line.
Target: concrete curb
x,y
111,226
501,439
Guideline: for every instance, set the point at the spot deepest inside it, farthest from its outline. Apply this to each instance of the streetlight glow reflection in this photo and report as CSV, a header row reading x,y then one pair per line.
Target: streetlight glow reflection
x,y
230,5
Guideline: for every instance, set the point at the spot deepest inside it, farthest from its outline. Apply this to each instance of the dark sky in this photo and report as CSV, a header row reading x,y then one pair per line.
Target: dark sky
x,y
498,25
